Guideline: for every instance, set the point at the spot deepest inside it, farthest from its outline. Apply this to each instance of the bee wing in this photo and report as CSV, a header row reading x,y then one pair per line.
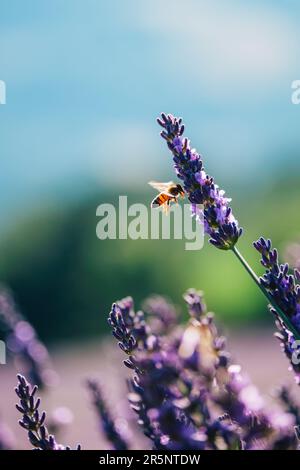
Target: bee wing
x,y
161,187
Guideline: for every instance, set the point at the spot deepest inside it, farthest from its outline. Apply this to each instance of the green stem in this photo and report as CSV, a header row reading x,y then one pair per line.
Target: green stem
x,y
280,313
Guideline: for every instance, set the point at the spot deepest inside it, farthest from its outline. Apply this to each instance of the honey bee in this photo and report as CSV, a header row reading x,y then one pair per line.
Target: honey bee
x,y
168,192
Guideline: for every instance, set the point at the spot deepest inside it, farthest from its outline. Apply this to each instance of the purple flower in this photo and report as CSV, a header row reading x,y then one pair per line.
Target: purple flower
x,y
183,376
107,423
163,314
288,345
210,206
278,281
219,222
24,345
32,420
291,407
284,292
154,388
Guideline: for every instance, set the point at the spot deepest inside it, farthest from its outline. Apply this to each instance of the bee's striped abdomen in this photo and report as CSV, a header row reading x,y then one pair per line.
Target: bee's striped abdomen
x,y
160,200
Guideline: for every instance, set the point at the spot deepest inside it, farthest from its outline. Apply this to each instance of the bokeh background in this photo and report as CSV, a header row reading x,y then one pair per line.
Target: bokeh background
x,y
85,81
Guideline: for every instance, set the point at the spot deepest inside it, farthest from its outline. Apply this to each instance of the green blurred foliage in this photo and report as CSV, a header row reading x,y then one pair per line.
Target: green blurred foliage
x,y
65,279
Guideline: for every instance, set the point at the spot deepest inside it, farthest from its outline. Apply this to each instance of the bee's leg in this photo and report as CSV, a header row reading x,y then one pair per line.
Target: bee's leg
x,y
167,206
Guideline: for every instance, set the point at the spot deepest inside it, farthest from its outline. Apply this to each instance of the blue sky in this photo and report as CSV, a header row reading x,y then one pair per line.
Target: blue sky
x,y
86,78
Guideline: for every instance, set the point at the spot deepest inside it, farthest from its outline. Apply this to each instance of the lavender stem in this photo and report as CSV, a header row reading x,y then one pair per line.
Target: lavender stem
x,y
280,313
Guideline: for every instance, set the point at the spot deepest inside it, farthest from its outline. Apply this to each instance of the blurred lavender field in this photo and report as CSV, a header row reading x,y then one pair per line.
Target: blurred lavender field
x,y
257,352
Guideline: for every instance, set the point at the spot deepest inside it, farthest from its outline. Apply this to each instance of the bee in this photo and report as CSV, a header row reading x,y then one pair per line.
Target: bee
x,y
168,192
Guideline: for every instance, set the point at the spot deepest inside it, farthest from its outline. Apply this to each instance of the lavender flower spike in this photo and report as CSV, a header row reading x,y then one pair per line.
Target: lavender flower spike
x,y
185,390
219,222
107,423
27,350
283,290
32,420
209,203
